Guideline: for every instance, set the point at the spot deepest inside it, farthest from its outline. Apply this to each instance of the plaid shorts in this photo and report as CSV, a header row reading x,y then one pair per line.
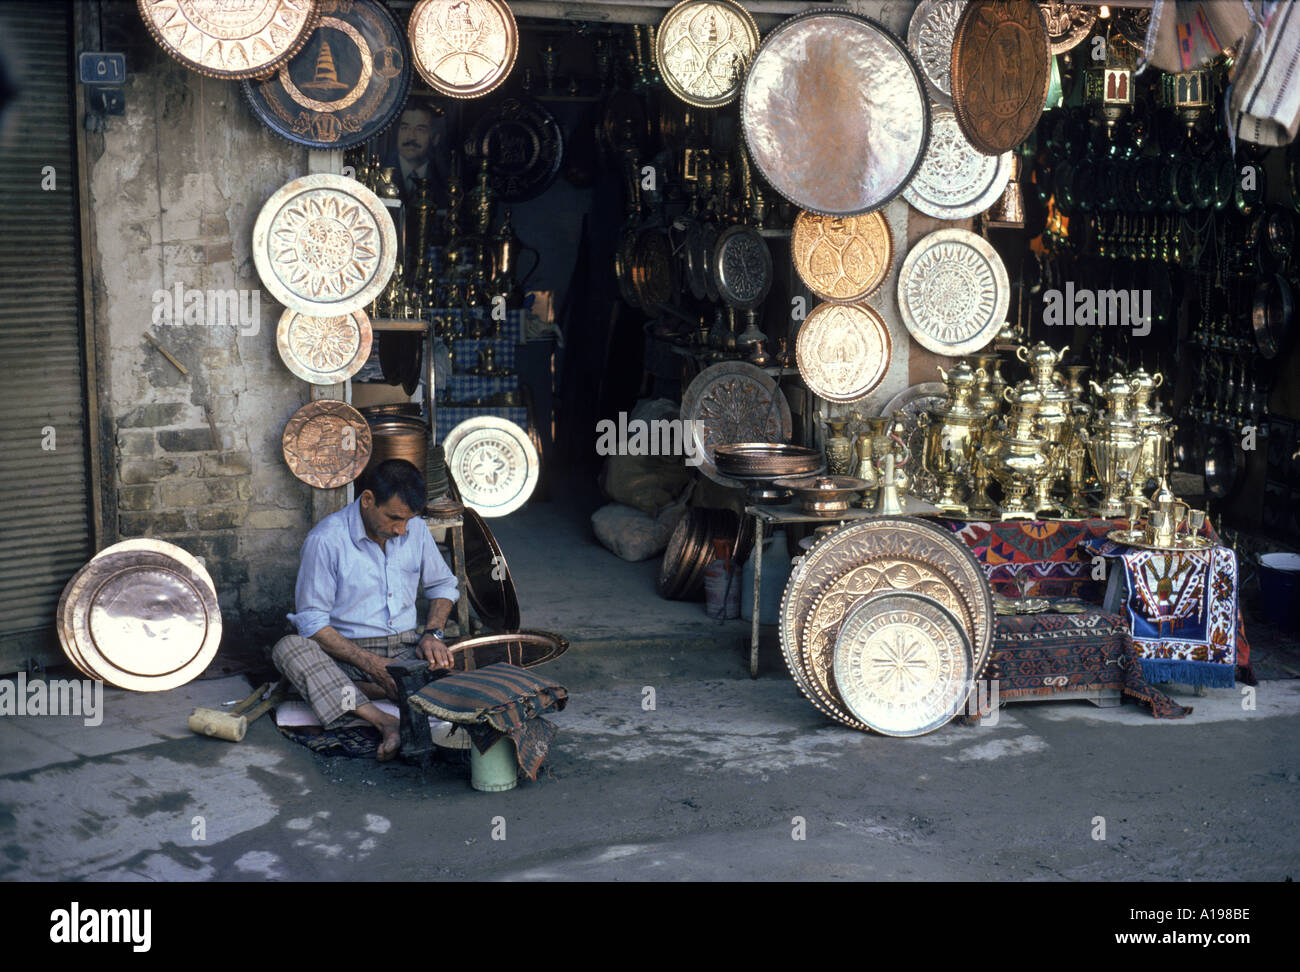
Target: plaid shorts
x,y
330,686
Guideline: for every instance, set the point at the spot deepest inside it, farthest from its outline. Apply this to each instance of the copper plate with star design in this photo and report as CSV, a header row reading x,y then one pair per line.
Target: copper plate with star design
x,y
843,351
1067,24
843,259
929,37
230,40
327,443
463,48
345,86
702,49
324,245
1001,68
324,350
953,292
494,464
833,111
955,181
903,664
733,401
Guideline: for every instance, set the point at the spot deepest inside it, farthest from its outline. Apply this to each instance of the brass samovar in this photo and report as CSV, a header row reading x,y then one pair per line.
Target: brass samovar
x,y
1052,417
1157,433
1116,444
952,435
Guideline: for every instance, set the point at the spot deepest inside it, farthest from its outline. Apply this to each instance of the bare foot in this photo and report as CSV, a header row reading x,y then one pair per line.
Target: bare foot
x,y
386,724
390,744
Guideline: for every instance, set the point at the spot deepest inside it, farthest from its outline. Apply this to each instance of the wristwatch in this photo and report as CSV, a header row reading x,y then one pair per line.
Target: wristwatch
x,y
437,633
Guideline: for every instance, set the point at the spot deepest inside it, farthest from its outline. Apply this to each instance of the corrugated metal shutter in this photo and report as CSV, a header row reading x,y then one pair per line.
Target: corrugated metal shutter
x,y
45,508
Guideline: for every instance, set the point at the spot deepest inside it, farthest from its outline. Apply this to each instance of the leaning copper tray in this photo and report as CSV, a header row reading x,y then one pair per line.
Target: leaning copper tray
x,y
834,112
488,583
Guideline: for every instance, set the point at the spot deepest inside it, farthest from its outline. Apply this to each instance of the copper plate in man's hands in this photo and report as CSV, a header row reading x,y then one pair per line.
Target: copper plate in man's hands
x,y
834,112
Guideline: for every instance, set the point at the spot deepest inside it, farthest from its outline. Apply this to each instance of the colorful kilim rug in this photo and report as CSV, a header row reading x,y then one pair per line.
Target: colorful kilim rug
x,y
1046,552
1183,612
1041,654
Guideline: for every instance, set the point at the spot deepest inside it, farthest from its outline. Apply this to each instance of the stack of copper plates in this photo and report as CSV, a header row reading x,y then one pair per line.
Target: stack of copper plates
x,y
681,574
141,615
766,460
886,623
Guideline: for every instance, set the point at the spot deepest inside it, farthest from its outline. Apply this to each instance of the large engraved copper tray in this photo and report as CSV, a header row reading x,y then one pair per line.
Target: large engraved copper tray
x,y
702,49
834,112
463,48
903,664
494,464
230,40
324,350
1001,69
142,615
324,245
733,401
327,443
953,292
843,351
842,259
345,86
955,181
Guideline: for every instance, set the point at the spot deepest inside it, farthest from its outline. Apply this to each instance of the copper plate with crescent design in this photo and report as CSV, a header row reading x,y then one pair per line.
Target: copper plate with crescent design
x,y
742,267
843,351
955,181
903,664
834,113
327,443
903,553
494,464
953,292
324,245
230,40
929,38
346,85
524,649
908,406
842,258
463,48
324,350
1001,68
142,615
523,146
1067,24
733,401
488,583
702,49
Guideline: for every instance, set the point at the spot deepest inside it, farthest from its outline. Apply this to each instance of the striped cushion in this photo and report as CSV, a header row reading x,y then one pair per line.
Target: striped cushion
x,y
502,695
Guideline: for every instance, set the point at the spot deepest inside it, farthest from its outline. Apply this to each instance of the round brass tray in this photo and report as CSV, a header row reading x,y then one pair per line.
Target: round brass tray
x,y
730,402
494,464
488,583
463,48
224,40
842,259
1067,23
834,113
142,615
526,649
903,664
953,292
324,350
929,38
702,48
843,351
324,245
327,443
766,459
1136,538
955,181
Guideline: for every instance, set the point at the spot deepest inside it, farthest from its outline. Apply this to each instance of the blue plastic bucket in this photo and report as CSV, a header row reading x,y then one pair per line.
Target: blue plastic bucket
x,y
1279,584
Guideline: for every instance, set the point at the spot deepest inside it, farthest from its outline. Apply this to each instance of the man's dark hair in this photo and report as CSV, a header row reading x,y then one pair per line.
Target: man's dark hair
x,y
397,477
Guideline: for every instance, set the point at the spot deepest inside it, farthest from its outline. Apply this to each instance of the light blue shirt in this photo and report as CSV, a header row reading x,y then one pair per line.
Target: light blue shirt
x,y
348,581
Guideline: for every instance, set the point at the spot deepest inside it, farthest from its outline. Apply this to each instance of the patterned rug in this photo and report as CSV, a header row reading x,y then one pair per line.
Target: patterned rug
x,y
1048,552
1042,654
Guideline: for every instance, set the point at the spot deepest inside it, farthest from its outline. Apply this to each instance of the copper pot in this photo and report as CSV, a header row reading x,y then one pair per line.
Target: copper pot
x,y
399,437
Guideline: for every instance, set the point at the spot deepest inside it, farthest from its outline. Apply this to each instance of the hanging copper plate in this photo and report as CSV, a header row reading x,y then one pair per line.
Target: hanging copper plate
x,y
1067,24
842,258
327,443
523,146
901,553
843,351
834,113
733,401
524,649
929,38
742,267
1001,67
345,86
225,40
324,245
653,273
955,181
494,464
953,292
143,615
323,350
488,583
463,48
702,48
903,664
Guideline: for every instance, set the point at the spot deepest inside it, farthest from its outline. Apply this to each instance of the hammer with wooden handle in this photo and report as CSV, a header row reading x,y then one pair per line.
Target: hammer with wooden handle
x,y
233,724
